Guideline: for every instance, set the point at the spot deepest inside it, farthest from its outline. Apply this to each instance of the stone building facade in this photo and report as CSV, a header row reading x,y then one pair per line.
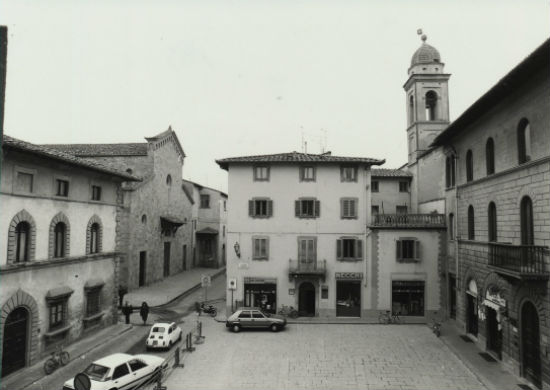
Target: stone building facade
x,y
59,257
156,242
497,176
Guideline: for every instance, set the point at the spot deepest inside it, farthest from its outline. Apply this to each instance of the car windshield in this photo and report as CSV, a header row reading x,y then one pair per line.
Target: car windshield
x,y
265,314
96,372
158,329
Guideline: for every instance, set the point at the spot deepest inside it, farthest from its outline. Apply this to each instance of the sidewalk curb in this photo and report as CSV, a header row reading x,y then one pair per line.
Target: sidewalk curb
x,y
80,354
194,288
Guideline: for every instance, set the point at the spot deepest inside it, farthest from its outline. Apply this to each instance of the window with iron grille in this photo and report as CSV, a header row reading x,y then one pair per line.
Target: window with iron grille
x,y
93,301
403,186
58,313
307,208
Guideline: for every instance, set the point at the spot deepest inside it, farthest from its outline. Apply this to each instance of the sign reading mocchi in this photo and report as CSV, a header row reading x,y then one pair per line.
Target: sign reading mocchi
x,y
349,275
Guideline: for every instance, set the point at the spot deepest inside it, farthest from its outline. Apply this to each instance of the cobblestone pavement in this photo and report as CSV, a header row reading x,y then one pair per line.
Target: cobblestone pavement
x,y
323,357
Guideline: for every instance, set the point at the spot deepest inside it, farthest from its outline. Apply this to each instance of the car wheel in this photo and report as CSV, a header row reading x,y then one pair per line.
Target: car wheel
x,y
274,328
236,328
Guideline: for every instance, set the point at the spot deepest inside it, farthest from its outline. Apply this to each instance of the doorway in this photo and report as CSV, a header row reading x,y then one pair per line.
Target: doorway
x,y
306,300
142,267
530,344
452,296
166,259
184,258
471,315
494,334
348,298
14,351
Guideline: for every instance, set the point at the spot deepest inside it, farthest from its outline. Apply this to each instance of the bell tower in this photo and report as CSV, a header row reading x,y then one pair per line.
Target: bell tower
x,y
427,99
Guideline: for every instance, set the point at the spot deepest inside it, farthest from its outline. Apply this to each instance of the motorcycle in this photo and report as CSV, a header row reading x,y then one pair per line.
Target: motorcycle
x,y
209,310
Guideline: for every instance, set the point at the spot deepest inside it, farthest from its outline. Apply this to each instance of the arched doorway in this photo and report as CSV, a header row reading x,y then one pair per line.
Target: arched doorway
x,y
530,344
16,333
471,308
306,300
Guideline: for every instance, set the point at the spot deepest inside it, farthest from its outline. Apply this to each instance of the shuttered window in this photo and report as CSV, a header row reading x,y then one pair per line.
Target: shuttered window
x,y
307,208
348,173
307,249
260,208
260,248
307,173
349,248
407,249
261,173
348,207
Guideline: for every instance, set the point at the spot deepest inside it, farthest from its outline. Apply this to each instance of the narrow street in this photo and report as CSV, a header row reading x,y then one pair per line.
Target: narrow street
x,y
133,341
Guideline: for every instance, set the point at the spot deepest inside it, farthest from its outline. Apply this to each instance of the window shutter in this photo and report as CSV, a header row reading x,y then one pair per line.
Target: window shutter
x,y
417,250
398,252
341,173
339,249
353,208
301,251
359,249
266,241
256,250
342,208
317,208
297,208
314,252
251,208
301,173
355,174
268,169
269,208
314,173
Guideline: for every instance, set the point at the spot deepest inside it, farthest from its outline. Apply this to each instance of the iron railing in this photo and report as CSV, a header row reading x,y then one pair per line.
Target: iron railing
x,y
409,220
520,259
307,267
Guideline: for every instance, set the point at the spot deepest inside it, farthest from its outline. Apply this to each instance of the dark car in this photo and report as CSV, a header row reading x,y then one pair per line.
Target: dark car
x,y
254,318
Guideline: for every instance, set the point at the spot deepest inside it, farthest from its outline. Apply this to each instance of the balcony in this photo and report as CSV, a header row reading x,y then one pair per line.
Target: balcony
x,y
307,269
436,221
522,262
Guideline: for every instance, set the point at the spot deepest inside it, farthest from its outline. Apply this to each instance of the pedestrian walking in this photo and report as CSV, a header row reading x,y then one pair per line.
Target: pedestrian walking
x,y
127,310
144,312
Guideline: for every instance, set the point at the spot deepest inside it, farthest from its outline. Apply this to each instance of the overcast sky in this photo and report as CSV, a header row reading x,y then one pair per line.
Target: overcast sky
x,y
248,77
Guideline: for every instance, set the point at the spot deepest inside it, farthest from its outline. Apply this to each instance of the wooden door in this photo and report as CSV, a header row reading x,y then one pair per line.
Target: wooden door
x,y
530,344
142,267
166,259
14,351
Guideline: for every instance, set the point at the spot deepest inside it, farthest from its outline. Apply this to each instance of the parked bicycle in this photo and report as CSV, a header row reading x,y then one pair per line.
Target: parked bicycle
x,y
389,318
59,358
288,311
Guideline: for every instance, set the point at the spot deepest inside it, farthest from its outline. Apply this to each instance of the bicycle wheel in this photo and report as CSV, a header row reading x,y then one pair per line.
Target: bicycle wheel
x,y
49,366
213,313
293,314
397,320
64,358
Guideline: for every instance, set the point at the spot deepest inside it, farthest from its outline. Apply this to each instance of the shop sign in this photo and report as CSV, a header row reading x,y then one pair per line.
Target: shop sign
x,y
349,275
260,280
495,298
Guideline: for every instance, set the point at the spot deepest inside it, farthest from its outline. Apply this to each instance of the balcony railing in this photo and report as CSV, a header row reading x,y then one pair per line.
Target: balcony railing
x,y
409,220
519,261
302,268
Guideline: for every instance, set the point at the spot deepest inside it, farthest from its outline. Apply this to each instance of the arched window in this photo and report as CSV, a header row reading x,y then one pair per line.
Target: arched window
x,y
526,219
492,222
94,235
471,223
59,237
168,180
60,231
453,170
431,105
22,239
448,172
451,226
411,109
94,238
524,141
469,166
490,156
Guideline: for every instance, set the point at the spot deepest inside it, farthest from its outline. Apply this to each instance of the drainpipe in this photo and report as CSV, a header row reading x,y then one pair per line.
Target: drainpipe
x,y
3,66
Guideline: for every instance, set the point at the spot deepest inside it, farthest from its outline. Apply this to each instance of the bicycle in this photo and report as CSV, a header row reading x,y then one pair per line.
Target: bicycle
x,y
59,358
436,326
288,311
387,318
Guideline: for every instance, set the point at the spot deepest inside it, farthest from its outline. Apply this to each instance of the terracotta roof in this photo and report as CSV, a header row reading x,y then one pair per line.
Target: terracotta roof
x,y
95,150
14,143
295,157
507,86
200,186
384,172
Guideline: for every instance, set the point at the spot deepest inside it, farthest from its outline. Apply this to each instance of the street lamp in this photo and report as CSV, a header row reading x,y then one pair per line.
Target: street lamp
x,y
237,249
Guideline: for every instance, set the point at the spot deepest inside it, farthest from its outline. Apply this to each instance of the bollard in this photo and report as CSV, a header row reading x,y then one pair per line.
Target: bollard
x,y
190,347
177,358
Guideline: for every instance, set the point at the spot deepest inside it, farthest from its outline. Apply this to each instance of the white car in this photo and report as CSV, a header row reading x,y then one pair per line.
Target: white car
x,y
121,371
163,335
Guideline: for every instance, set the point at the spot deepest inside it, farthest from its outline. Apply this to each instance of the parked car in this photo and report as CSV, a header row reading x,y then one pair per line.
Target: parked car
x,y
121,371
254,318
163,335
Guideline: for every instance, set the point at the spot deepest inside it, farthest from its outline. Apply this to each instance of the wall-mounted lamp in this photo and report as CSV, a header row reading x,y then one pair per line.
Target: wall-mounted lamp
x,y
237,248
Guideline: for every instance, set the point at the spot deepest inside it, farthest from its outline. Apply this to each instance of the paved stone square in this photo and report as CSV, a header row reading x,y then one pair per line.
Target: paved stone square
x,y
307,356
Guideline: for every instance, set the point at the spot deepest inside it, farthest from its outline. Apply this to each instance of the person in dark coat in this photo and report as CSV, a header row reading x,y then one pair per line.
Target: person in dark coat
x,y
127,310
144,312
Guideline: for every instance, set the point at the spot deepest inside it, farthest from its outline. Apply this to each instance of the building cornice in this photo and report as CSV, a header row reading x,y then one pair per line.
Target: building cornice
x,y
49,263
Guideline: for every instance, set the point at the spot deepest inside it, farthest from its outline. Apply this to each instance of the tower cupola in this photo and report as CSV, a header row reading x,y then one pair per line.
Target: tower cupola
x,y
426,59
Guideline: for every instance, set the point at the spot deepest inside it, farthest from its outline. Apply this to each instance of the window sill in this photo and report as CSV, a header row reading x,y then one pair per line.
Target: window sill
x,y
306,217
348,217
57,332
93,317
408,260
260,258
349,259
260,216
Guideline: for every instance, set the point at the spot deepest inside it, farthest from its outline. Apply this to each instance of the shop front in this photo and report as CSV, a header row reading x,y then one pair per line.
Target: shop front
x,y
408,297
348,294
494,306
262,293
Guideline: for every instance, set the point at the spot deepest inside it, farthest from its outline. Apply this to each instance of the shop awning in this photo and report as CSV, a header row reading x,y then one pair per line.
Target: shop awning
x,y
169,224
59,292
207,230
